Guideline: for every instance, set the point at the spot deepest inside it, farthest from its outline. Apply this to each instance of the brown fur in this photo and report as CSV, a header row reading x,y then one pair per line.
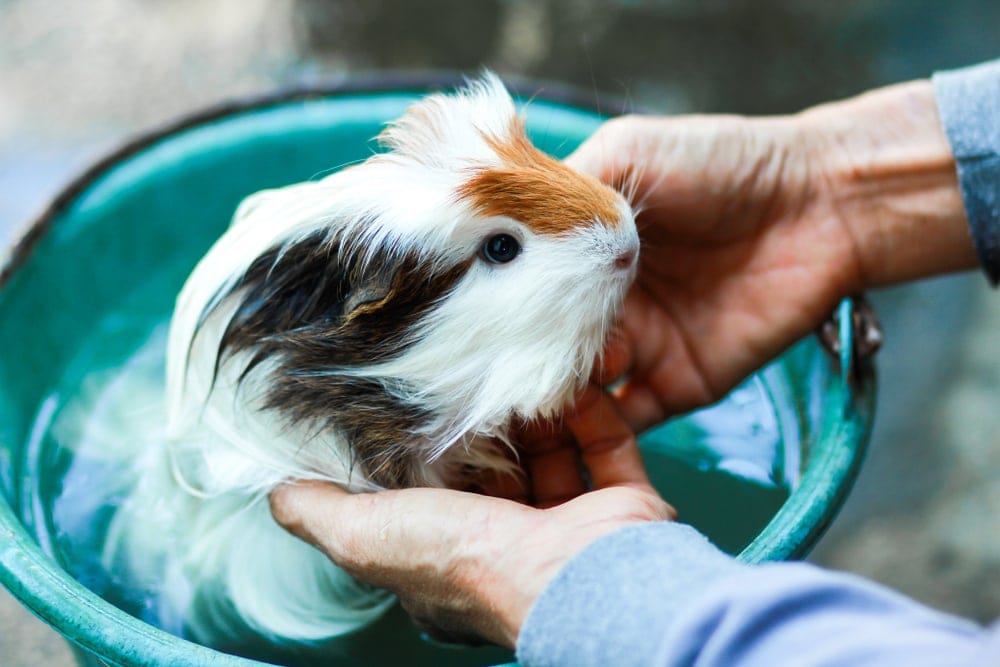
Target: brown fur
x,y
538,190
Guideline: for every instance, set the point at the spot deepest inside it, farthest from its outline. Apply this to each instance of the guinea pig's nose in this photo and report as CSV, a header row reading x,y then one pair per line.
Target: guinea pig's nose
x,y
625,259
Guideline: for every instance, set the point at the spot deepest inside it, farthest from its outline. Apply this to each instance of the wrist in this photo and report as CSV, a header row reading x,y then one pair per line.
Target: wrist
x,y
507,578
494,579
889,176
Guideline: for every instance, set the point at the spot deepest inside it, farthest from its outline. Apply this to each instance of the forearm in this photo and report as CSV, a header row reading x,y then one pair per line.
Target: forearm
x,y
890,173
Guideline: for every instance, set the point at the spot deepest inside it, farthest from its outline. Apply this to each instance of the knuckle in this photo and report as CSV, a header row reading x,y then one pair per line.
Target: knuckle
x,y
279,505
643,504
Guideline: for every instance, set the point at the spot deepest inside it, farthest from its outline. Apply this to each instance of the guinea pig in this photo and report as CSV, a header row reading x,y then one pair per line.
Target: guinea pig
x,y
382,327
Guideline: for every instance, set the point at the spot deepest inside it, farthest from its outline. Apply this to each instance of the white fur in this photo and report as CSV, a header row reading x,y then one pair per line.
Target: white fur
x,y
512,340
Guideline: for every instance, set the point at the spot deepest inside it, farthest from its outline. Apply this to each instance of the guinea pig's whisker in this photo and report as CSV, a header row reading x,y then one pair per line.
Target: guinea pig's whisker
x,y
326,172
633,179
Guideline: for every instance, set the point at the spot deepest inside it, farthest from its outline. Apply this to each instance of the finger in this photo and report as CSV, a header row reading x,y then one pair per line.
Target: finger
x,y
382,537
539,436
295,505
607,445
607,153
368,534
553,464
556,476
639,405
618,506
589,157
434,548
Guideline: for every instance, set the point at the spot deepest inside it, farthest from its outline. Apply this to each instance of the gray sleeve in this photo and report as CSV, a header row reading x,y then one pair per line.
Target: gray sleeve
x,y
611,603
969,102
659,595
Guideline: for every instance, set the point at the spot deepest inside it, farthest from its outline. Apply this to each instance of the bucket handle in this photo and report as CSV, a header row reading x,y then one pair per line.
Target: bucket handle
x,y
852,335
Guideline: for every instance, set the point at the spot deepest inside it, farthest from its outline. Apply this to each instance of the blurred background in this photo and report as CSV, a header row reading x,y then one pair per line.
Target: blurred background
x,y
78,78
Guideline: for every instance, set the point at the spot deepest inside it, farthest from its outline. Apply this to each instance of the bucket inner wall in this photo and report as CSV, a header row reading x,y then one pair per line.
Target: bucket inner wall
x,y
761,473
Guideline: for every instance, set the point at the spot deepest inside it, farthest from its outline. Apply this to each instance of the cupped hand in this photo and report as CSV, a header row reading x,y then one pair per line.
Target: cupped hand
x,y
468,566
743,252
753,229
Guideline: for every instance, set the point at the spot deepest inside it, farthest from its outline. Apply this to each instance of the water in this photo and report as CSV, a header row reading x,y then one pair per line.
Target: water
x,y
727,469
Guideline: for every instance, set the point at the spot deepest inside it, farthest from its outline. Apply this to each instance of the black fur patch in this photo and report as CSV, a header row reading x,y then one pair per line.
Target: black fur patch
x,y
314,310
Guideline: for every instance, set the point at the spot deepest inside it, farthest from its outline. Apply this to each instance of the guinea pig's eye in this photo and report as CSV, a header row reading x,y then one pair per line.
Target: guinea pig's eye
x,y
500,249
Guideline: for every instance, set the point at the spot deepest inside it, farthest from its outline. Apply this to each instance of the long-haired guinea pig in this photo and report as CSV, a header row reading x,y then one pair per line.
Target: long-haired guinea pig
x,y
381,327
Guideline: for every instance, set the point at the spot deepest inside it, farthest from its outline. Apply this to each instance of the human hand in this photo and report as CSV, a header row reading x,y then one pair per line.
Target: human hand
x,y
753,229
468,566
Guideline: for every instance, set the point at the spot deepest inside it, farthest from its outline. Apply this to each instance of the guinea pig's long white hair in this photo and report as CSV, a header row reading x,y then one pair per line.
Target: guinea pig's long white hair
x,y
382,327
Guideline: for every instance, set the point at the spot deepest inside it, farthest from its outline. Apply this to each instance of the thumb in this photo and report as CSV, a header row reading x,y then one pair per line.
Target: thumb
x,y
377,537
610,153
587,158
351,529
303,508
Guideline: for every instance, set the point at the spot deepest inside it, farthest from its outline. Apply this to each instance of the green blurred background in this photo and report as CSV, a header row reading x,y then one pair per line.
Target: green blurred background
x,y
77,78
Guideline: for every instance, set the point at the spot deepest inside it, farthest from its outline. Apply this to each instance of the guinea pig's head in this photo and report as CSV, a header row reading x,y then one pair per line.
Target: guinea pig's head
x,y
413,302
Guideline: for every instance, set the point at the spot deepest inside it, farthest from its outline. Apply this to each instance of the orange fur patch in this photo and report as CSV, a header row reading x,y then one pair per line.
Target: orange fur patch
x,y
538,190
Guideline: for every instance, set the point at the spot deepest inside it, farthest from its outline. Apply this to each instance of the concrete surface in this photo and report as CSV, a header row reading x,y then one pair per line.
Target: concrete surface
x,y
77,78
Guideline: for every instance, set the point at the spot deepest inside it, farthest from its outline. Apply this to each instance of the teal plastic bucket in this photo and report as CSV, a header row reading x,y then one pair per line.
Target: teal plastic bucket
x,y
762,473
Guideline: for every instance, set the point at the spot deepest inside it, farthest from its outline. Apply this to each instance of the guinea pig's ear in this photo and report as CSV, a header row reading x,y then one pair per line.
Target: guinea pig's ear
x,y
368,288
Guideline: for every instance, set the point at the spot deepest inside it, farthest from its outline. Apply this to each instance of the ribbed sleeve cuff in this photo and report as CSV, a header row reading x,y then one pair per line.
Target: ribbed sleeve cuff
x,y
596,610
969,103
